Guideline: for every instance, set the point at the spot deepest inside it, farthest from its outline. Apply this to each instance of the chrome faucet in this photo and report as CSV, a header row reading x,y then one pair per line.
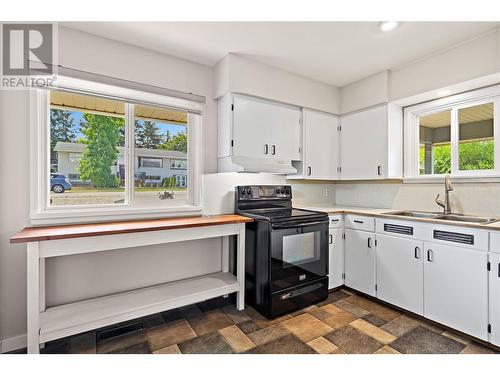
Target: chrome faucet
x,y
447,188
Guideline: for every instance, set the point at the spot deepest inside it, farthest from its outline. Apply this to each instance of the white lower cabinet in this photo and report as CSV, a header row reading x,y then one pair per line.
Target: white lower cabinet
x,y
495,298
456,288
360,260
336,258
400,272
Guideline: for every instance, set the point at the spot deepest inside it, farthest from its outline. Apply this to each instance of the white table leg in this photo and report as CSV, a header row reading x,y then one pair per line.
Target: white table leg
x,y
225,254
33,294
240,267
42,290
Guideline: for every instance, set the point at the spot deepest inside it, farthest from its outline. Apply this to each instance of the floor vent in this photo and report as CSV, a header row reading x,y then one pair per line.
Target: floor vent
x,y
118,330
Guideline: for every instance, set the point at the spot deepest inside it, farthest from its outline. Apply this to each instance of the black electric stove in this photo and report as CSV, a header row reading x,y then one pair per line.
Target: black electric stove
x,y
286,252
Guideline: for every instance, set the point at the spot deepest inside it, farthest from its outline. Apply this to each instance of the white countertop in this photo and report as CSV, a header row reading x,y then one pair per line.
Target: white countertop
x,y
333,209
382,212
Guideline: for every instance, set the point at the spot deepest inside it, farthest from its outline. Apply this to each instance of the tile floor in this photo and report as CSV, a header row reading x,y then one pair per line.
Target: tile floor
x,y
344,323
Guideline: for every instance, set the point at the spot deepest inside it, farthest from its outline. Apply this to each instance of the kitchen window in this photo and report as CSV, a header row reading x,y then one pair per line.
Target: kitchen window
x,y
112,148
458,135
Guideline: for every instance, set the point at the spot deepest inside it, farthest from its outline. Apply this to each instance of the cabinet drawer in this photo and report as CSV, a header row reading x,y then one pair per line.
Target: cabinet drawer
x,y
470,238
365,223
495,242
336,221
401,228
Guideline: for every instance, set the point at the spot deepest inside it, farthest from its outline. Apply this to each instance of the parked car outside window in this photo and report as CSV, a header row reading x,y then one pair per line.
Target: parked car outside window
x,y
59,183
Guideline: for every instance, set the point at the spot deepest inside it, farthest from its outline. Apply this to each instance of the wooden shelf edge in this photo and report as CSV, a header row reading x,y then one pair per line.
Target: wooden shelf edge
x,y
60,232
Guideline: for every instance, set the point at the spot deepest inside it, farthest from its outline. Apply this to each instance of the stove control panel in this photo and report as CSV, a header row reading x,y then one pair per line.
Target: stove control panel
x,y
264,192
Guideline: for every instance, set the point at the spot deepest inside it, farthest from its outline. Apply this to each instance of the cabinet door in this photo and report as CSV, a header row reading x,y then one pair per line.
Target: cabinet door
x,y
363,147
400,274
495,298
360,260
251,120
321,145
456,288
336,259
284,133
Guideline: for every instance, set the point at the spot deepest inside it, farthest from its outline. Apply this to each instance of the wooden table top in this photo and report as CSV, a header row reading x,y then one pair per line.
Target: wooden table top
x,y
59,232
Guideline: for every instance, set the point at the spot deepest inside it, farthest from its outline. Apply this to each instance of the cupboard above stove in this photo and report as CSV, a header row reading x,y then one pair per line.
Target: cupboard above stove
x,y
259,135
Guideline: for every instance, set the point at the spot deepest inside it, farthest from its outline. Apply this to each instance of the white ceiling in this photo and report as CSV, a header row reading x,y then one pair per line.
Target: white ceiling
x,y
337,53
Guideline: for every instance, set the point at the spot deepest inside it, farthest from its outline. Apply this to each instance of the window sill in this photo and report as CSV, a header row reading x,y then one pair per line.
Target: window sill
x,y
115,214
455,179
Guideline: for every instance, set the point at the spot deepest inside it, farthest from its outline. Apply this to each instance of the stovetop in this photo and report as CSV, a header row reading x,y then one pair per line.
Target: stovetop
x,y
272,203
275,215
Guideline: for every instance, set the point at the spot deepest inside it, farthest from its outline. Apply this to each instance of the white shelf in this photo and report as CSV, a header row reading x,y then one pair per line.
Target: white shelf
x,y
94,313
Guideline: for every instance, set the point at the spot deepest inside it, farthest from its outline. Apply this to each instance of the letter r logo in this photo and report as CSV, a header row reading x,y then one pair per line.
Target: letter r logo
x,y
27,47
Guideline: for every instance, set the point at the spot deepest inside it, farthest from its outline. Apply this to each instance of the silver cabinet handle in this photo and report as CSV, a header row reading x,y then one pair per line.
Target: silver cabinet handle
x,y
370,242
430,255
331,239
309,171
266,149
274,150
417,252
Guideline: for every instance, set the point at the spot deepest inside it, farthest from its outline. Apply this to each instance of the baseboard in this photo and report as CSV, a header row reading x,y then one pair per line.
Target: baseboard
x,y
13,343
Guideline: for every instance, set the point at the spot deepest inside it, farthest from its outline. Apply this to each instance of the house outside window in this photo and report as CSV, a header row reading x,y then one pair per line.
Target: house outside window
x,y
116,154
458,135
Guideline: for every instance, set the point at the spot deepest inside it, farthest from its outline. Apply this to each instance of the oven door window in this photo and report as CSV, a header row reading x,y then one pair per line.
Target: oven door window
x,y
298,255
300,248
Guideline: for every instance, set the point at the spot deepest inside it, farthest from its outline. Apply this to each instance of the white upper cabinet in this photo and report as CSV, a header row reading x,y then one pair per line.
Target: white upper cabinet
x,y
321,145
257,134
371,143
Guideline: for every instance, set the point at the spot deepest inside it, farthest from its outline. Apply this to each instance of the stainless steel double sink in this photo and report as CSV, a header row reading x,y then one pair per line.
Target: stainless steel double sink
x,y
441,216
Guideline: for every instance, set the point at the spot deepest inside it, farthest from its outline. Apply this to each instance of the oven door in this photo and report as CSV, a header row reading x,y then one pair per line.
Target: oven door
x,y
299,253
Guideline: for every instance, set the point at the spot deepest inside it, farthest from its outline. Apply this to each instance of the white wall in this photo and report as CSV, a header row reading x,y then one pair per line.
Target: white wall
x,y
241,75
365,93
14,206
471,64
219,189
475,58
476,199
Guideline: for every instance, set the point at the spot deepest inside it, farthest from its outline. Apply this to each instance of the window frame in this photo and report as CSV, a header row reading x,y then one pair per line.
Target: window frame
x,y
41,213
452,103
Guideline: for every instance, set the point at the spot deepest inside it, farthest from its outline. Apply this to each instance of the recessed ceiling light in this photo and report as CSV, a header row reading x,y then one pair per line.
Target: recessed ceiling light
x,y
387,25
444,92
